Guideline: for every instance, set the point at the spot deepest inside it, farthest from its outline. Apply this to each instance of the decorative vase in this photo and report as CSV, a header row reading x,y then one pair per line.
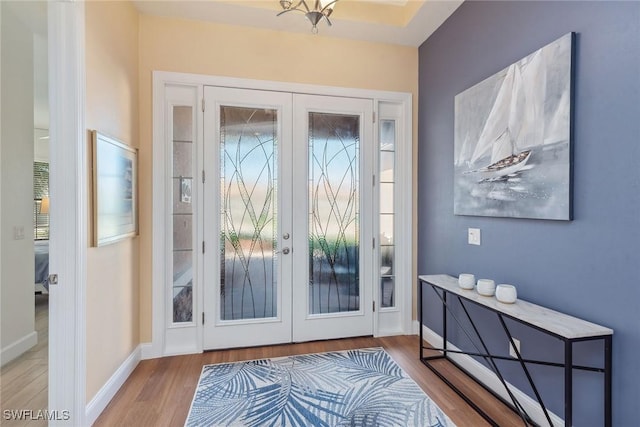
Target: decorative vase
x,y
466,281
486,287
506,293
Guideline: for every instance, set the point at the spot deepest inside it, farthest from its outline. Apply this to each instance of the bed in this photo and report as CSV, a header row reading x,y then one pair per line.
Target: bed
x,y
41,251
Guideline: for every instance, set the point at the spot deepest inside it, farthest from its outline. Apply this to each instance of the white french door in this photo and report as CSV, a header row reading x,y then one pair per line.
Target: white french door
x,y
285,258
247,211
333,270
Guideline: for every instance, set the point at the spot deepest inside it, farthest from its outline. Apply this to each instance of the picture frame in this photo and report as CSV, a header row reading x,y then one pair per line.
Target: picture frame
x,y
115,195
513,139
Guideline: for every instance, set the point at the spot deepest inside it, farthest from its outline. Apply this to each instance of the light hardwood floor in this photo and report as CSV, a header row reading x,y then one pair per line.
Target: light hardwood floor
x,y
159,391
24,381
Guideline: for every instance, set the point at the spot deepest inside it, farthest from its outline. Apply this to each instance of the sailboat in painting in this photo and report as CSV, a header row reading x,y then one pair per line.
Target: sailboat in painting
x,y
514,120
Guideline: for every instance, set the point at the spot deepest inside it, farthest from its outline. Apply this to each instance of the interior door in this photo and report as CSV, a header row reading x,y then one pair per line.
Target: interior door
x,y
247,219
333,268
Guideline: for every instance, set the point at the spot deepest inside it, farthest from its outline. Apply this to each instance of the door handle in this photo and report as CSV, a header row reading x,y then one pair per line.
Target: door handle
x,y
285,251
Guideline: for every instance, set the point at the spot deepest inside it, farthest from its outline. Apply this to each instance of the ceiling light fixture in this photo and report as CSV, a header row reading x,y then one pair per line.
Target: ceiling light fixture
x,y
321,9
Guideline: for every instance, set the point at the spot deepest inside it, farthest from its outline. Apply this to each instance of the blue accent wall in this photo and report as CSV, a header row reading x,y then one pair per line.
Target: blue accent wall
x,y
588,267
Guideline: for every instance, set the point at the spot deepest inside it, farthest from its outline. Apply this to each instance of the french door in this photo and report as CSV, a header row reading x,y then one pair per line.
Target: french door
x,y
333,275
285,258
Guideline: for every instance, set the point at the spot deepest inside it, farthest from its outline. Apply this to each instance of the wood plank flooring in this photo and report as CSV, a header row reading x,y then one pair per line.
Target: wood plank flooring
x,y
159,391
24,381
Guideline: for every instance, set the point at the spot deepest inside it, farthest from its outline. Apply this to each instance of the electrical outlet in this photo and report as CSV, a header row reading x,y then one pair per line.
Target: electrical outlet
x,y
474,236
512,351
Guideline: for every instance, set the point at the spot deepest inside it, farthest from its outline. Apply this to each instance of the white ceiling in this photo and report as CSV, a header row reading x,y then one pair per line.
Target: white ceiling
x,y
426,20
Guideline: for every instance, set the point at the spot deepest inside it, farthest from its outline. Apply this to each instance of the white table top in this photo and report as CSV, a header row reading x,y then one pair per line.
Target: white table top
x,y
550,320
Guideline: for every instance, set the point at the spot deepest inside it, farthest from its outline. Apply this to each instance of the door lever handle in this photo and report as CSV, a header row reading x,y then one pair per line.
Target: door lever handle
x,y
284,251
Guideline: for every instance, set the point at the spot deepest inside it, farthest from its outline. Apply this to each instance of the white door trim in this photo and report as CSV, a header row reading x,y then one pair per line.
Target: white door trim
x,y
68,175
158,249
405,217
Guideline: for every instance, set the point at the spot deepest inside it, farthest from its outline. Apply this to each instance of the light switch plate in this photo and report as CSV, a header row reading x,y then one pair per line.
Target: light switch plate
x,y
474,236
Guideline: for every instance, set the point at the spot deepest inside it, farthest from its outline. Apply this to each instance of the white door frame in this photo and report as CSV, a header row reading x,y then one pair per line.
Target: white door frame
x,y
160,338
68,175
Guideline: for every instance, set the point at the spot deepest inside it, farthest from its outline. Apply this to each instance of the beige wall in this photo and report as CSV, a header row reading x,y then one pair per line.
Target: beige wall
x,y
113,319
16,168
222,50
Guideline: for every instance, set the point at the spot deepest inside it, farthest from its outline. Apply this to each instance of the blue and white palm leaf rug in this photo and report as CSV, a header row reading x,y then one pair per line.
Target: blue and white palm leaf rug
x,y
363,387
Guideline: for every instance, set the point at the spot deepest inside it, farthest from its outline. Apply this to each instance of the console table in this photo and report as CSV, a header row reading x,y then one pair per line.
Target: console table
x,y
567,328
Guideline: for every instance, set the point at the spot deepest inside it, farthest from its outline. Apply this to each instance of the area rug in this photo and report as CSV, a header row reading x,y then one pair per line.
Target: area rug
x,y
363,387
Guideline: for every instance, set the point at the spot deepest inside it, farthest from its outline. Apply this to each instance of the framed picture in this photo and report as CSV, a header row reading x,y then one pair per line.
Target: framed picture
x,y
513,139
115,176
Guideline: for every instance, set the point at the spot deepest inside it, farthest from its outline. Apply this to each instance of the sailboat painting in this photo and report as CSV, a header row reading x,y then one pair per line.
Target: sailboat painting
x,y
512,139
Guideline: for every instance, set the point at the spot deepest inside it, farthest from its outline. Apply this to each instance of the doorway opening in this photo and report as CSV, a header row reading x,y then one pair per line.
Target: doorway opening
x,y
24,374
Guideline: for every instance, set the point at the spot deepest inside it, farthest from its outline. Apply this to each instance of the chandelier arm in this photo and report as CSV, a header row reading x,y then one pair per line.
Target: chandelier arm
x,y
328,21
327,6
291,10
303,3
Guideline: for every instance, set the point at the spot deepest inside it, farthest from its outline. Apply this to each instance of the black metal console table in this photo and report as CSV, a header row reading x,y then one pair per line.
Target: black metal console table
x,y
564,327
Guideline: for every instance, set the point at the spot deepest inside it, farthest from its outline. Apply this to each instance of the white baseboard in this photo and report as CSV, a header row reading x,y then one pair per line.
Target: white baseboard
x,y
388,333
149,351
415,327
491,380
100,401
18,347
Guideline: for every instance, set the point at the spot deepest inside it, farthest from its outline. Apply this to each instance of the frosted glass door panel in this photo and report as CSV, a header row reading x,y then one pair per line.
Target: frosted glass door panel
x,y
182,210
248,217
334,213
387,190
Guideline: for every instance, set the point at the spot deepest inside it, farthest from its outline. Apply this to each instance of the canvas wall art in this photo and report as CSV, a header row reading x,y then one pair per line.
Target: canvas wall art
x,y
513,139
114,190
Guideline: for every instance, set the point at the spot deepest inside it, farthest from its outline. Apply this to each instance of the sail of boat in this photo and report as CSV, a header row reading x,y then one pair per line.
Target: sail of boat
x,y
463,156
498,118
558,128
529,112
515,119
